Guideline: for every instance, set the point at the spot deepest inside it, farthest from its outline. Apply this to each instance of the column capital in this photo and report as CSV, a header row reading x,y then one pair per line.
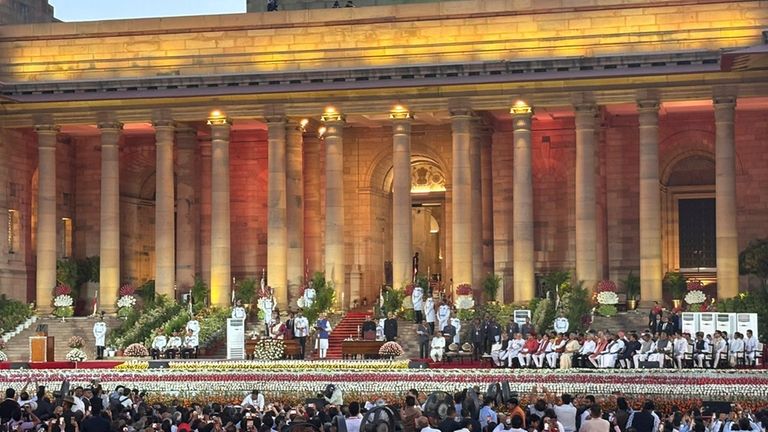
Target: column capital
x,y
218,119
110,125
276,119
460,112
400,113
585,115
521,108
186,137
163,124
648,105
292,123
330,115
47,129
724,102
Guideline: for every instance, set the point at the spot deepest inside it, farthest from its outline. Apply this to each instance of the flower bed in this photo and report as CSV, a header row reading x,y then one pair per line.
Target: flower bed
x,y
660,385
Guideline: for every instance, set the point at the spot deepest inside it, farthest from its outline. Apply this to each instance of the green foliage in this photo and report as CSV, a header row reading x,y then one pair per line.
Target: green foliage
x,y
558,282
246,290
577,307
674,283
408,314
324,298
77,272
501,313
393,300
12,313
67,273
125,312
466,314
749,302
423,283
213,325
607,310
491,284
177,322
64,312
200,293
632,286
146,293
543,315
139,327
753,260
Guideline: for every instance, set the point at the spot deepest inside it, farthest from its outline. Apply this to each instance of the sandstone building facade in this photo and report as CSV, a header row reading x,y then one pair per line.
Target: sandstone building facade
x,y
515,137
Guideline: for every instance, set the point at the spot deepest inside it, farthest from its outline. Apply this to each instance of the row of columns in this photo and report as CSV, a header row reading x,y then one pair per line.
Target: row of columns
x,y
285,204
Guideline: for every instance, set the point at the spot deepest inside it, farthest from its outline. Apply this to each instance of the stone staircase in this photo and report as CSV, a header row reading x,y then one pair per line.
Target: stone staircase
x,y
17,348
636,320
347,327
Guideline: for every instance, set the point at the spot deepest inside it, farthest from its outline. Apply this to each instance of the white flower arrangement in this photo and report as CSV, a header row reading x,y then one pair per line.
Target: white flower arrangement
x,y
76,355
3,357
607,298
465,302
291,365
269,349
391,349
63,301
731,385
126,301
695,297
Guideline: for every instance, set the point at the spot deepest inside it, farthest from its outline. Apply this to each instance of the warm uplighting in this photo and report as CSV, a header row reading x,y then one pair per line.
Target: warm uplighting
x,y
321,131
399,112
331,114
520,107
217,118
303,124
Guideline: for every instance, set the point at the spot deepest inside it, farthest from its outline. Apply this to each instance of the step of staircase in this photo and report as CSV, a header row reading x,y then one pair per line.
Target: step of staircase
x,y
346,328
636,320
17,348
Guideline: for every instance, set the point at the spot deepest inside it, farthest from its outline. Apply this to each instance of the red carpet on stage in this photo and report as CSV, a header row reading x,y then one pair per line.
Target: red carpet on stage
x,y
343,330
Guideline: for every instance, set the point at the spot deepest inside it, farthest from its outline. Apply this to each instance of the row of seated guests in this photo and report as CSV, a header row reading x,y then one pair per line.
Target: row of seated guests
x,y
173,347
623,350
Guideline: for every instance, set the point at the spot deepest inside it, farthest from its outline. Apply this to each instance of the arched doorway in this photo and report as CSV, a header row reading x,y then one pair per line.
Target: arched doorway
x,y
688,216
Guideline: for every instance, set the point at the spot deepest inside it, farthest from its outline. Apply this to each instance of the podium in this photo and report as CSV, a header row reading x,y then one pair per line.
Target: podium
x,y
41,348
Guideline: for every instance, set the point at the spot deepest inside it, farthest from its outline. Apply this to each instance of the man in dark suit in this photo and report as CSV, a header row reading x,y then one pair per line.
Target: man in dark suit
x,y
449,329
368,326
424,333
665,327
477,337
526,328
390,327
512,328
492,332
9,408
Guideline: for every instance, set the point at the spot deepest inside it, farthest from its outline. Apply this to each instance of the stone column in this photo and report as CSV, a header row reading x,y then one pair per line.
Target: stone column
x,y
725,199
165,240
402,232
476,196
46,215
277,233
334,203
186,207
522,210
501,160
461,199
586,214
205,209
221,274
295,208
109,226
650,203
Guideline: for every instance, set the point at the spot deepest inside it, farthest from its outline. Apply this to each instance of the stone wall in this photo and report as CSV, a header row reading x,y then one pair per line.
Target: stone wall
x,y
438,33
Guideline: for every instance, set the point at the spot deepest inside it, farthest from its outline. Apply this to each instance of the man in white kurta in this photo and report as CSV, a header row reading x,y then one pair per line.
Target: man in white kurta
x,y
309,296
437,348
100,333
267,305
417,298
443,314
238,312
750,347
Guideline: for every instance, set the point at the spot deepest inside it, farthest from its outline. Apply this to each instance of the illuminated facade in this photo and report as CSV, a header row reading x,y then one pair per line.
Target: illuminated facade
x,y
603,136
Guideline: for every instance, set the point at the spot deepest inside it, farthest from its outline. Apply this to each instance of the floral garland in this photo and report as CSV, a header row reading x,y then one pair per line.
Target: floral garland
x,y
136,350
661,385
3,357
464,299
127,301
391,349
63,302
291,365
695,298
269,349
76,355
606,297
606,285
76,342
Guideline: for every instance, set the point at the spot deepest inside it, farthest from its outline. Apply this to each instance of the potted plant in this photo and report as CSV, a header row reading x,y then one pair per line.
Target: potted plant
x,y
632,287
674,283
491,285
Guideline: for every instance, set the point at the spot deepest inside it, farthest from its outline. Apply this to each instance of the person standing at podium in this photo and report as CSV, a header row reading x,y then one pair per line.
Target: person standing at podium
x,y
100,333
